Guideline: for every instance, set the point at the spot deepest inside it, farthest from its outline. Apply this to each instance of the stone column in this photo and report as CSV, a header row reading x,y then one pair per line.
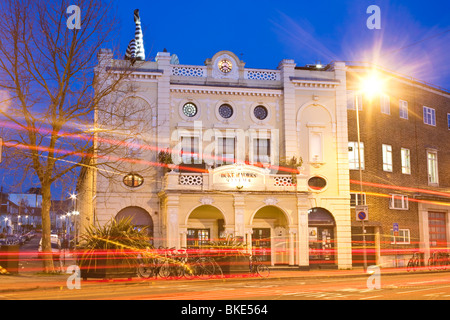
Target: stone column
x,y
172,223
239,212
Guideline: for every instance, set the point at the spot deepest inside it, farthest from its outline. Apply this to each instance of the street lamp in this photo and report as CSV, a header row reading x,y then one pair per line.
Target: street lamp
x,y
371,86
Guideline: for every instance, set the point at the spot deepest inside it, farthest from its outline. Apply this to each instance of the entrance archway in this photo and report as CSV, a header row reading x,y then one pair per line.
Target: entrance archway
x,y
270,235
321,229
139,217
205,223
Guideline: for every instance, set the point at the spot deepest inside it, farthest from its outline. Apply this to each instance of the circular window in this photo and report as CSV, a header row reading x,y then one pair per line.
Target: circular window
x,y
317,183
260,112
190,110
133,180
225,111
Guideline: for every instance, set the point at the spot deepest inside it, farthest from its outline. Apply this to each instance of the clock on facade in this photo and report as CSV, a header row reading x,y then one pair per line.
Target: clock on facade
x,y
225,65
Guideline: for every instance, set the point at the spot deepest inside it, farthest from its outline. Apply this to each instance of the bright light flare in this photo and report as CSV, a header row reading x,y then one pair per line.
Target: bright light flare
x,y
372,85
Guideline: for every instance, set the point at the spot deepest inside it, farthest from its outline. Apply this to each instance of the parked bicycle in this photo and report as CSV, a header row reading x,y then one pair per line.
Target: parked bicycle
x,y
256,266
438,260
414,262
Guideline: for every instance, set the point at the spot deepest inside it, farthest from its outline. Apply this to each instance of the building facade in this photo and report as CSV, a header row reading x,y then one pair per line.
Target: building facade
x,y
232,134
405,139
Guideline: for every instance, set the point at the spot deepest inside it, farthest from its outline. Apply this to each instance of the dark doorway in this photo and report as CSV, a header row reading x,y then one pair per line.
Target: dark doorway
x,y
261,245
322,249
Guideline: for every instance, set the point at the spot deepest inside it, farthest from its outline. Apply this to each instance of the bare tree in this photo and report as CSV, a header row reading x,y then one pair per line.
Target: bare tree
x,y
54,86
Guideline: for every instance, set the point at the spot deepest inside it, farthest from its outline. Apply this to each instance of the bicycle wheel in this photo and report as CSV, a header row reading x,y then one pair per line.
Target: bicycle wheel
x,y
146,269
164,270
410,266
206,268
263,270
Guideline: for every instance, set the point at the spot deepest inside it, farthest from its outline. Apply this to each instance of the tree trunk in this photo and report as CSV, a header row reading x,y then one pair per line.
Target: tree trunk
x,y
46,229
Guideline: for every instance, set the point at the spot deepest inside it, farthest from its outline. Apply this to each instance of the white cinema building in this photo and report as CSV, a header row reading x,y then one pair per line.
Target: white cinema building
x,y
230,128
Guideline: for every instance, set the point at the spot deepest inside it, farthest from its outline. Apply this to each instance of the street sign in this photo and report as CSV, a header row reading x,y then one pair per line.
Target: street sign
x,y
395,228
362,213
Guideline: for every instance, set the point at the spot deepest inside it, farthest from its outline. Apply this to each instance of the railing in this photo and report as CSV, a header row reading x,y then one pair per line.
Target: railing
x,y
204,181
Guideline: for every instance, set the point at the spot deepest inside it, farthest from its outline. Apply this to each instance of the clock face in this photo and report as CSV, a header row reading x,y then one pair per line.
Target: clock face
x,y
225,65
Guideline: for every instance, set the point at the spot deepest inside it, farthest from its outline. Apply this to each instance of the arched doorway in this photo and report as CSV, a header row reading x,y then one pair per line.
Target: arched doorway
x,y
270,235
139,217
321,229
204,224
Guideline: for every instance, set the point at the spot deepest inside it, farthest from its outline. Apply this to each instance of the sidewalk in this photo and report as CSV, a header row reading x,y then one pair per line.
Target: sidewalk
x,y
41,281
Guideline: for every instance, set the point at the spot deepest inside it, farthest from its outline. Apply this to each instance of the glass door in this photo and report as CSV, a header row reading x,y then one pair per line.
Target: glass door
x,y
261,244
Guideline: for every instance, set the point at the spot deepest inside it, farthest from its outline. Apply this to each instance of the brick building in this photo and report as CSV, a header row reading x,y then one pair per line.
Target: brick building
x,y
405,139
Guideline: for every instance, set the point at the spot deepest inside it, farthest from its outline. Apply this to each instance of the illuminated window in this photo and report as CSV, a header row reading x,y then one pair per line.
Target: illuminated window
x,y
432,167
398,201
385,104
429,116
261,150
403,109
133,180
402,238
406,161
190,150
353,155
357,199
190,110
226,150
387,157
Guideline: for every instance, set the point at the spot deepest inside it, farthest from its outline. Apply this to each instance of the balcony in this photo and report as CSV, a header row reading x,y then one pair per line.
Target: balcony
x,y
236,177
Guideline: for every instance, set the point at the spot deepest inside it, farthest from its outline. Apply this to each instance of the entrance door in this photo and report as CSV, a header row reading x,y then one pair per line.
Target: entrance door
x,y
197,238
321,245
261,244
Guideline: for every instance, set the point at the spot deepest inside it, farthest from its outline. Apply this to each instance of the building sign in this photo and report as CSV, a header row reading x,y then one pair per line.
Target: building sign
x,y
240,177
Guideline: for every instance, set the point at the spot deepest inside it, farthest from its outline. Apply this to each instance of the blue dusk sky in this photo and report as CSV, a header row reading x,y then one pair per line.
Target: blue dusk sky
x,y
414,38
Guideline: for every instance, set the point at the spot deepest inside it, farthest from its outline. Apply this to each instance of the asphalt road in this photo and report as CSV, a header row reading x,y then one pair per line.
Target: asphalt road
x,y
428,286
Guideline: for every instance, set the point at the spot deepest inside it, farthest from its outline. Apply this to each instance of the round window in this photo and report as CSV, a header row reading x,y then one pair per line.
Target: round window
x,y
317,183
133,180
190,110
260,112
225,111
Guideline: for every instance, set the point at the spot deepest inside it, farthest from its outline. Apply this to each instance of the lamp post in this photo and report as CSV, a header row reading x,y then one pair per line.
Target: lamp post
x,y
371,85
360,179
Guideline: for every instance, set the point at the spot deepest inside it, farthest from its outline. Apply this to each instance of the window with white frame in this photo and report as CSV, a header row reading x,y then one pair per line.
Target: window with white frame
x,y
403,109
190,150
398,202
387,157
353,159
432,166
261,150
429,116
226,153
448,121
402,238
385,104
406,161
357,199
352,99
